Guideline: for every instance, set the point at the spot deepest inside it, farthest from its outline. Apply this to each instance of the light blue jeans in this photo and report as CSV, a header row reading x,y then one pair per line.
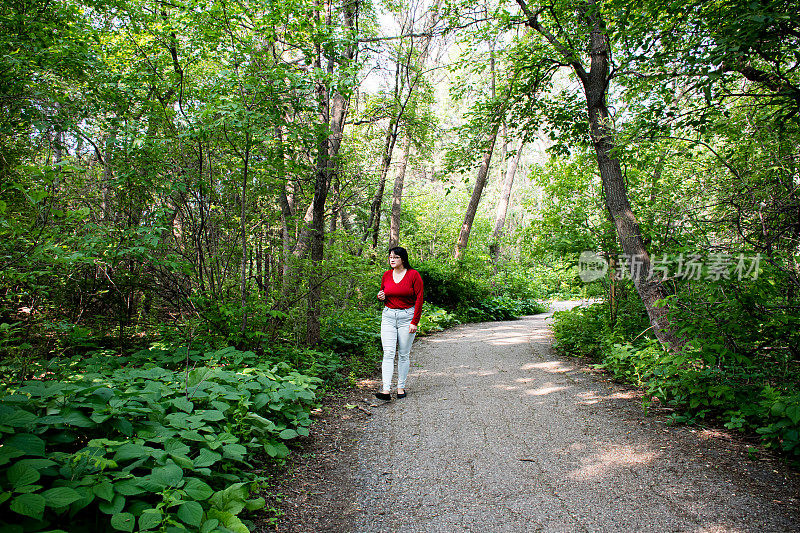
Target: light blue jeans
x,y
396,338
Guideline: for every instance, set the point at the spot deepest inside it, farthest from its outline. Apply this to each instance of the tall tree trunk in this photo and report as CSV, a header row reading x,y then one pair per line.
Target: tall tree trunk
x,y
502,206
260,260
397,196
333,111
595,85
477,191
286,210
108,174
243,214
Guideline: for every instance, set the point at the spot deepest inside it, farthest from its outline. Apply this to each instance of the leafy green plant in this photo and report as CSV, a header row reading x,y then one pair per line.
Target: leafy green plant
x,y
145,448
447,286
435,319
579,331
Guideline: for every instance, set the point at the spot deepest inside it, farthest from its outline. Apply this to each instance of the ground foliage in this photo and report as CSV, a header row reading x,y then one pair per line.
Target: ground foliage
x,y
147,447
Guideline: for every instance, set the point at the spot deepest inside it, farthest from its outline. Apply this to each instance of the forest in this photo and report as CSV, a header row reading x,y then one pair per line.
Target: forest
x,y
196,200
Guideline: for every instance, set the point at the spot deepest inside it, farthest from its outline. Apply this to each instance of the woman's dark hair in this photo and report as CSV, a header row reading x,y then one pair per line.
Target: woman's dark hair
x,y
400,251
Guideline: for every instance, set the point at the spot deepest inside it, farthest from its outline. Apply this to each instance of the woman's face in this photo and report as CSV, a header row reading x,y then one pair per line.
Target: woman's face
x,y
395,261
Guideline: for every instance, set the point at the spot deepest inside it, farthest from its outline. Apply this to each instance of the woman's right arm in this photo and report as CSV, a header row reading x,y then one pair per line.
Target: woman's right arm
x,y
381,294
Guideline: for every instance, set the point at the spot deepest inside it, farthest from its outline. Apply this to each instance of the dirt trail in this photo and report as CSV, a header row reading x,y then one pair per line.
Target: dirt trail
x,y
499,434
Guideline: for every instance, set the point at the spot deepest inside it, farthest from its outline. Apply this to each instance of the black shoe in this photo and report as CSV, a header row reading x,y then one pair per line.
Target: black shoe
x,y
383,396
401,395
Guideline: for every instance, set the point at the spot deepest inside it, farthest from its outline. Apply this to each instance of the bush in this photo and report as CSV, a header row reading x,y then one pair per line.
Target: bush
x,y
500,308
352,332
435,319
447,287
701,381
580,331
692,381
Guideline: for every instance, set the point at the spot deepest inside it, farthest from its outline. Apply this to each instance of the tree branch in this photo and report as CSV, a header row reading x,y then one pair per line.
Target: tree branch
x,y
564,50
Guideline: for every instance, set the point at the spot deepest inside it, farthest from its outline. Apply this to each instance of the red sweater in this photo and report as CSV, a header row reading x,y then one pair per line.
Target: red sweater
x,y
407,293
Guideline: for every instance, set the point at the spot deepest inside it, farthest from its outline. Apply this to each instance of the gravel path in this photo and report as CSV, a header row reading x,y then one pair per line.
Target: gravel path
x,y
499,434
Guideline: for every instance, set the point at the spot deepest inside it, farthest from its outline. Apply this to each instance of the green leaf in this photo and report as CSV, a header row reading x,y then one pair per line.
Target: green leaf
x,y
209,525
222,406
778,408
128,487
123,521
191,513
278,450
234,451
183,462
7,453
260,400
288,434
20,475
183,404
61,496
115,506
15,417
124,426
231,499
26,443
29,505
78,419
104,490
104,393
167,476
87,497
229,520
150,518
174,446
206,458
129,451
190,434
197,489
27,489
212,415
255,504
793,412
38,464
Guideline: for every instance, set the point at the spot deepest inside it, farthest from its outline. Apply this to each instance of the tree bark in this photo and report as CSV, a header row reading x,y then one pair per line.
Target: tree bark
x,y
397,196
108,175
502,206
243,214
477,191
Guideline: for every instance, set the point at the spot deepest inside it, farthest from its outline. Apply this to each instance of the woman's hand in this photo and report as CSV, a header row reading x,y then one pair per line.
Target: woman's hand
x,y
381,295
412,328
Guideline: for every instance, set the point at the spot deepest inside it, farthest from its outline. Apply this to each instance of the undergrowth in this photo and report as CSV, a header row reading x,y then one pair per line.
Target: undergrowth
x,y
146,447
706,381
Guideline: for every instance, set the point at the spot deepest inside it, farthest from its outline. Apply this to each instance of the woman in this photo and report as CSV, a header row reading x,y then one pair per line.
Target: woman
x,y
401,292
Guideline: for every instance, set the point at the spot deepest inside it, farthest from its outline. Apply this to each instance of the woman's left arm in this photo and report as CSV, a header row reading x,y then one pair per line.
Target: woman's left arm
x,y
418,290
